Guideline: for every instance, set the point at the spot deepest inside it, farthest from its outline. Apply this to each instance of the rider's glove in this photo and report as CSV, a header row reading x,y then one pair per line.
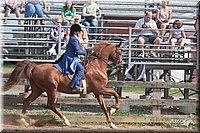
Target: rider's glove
x,y
88,51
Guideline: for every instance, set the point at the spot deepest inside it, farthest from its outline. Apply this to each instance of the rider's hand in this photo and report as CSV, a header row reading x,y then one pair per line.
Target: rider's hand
x,y
88,51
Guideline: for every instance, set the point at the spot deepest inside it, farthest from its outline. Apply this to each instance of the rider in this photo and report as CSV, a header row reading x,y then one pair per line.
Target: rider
x,y
69,63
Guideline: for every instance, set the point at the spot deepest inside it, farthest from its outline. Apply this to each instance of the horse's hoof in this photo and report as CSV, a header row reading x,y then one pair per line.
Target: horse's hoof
x,y
67,123
112,110
112,125
23,121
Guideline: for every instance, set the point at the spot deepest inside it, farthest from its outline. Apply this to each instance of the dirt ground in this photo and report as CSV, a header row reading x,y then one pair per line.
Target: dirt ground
x,y
83,128
39,124
11,124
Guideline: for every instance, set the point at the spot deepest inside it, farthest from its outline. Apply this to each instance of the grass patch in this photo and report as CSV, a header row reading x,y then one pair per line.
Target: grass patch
x,y
6,112
125,114
120,114
132,89
55,121
92,123
8,67
46,112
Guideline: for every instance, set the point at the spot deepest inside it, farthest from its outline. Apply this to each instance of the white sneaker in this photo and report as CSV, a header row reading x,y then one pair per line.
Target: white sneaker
x,y
52,51
141,55
152,54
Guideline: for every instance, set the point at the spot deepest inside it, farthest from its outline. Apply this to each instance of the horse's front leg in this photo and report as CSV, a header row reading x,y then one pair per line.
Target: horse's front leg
x,y
109,92
101,101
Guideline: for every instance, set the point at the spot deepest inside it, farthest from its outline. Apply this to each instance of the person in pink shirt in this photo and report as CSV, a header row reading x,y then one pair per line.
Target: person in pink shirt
x,y
11,5
163,17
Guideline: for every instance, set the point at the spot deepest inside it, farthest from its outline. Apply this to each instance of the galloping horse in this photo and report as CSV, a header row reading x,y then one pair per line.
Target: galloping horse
x,y
46,78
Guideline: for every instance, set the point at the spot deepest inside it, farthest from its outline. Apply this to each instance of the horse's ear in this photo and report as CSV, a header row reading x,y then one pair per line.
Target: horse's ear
x,y
120,43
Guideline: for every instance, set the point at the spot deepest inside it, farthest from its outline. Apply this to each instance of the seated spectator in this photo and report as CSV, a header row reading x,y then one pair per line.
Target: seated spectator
x,y
177,34
147,32
67,13
11,5
54,36
91,12
33,7
196,18
163,17
82,36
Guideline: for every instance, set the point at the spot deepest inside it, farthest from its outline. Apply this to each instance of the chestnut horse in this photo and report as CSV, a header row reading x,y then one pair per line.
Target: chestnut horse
x,y
46,78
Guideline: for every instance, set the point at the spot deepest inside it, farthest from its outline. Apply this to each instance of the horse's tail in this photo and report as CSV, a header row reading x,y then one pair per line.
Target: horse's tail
x,y
22,67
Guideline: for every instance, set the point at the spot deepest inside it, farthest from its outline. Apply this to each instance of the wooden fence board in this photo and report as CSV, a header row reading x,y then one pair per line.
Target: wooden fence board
x,y
139,84
9,100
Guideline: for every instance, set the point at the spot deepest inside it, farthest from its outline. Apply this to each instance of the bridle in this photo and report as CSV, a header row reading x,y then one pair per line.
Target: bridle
x,y
118,54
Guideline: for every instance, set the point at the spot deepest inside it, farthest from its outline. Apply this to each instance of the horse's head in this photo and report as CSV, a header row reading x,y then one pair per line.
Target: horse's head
x,y
106,51
116,55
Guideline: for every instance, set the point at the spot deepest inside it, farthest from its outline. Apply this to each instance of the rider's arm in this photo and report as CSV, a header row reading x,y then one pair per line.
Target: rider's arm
x,y
77,48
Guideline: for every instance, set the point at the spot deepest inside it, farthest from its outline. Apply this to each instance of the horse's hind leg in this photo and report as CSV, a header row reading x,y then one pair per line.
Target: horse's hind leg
x,y
101,101
51,105
35,93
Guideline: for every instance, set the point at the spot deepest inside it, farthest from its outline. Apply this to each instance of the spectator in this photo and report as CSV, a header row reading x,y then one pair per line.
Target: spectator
x,y
196,18
67,13
11,5
54,36
91,12
82,36
33,7
163,17
148,33
177,34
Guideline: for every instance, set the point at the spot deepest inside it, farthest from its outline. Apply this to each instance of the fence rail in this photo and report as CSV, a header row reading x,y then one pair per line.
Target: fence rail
x,y
32,42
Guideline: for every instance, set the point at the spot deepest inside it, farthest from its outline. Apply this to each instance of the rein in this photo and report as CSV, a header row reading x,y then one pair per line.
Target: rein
x,y
100,57
117,64
105,60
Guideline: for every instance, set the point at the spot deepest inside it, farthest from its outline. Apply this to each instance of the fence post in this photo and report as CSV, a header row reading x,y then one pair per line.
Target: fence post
x,y
59,41
198,56
129,45
157,96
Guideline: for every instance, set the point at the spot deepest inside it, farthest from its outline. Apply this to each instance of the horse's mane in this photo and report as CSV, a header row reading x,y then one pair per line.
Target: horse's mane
x,y
99,46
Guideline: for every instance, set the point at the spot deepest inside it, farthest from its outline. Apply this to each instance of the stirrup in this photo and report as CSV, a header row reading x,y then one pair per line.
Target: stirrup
x,y
79,90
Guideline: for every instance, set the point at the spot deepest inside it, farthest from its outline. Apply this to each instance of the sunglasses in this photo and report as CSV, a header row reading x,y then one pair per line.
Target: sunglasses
x,y
58,22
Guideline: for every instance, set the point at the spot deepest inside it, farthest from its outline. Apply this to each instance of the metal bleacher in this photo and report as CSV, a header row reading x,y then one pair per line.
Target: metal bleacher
x,y
32,41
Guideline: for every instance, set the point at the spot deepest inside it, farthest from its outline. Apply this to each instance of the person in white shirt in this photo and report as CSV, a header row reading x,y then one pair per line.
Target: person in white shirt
x,y
177,35
147,32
